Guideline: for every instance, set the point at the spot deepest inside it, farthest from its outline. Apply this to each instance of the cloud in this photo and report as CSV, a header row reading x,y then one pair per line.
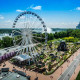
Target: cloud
x,y
35,7
19,10
1,17
78,8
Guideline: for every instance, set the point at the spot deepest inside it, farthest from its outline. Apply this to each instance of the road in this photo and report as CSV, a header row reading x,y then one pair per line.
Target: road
x,y
71,69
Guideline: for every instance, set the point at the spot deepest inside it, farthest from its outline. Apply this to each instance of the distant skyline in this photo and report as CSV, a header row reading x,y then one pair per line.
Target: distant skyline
x,y
55,13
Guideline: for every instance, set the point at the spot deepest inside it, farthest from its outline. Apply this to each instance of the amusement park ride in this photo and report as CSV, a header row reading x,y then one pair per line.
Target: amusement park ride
x,y
23,34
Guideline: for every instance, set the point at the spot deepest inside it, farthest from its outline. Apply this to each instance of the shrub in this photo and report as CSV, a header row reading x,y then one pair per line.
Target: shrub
x,y
39,45
42,56
64,57
71,39
45,60
48,73
49,66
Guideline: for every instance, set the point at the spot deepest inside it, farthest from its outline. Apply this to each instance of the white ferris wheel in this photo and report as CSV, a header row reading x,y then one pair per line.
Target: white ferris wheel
x,y
28,30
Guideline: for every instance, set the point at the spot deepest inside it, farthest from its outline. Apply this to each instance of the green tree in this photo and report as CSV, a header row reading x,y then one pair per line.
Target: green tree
x,y
7,41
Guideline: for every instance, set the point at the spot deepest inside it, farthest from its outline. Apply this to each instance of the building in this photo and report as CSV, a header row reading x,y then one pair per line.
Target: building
x,y
22,58
5,74
78,26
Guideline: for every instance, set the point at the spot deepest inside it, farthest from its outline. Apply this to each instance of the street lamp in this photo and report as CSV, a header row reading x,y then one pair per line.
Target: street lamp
x,y
67,62
76,53
74,68
79,61
72,57
36,74
25,69
13,67
4,64
61,69
51,77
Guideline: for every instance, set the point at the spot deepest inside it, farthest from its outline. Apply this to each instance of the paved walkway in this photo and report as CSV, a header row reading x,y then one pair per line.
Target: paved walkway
x,y
71,69
75,73
55,75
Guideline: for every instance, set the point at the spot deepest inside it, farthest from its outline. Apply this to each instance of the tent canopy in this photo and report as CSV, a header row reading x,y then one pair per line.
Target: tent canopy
x,y
22,57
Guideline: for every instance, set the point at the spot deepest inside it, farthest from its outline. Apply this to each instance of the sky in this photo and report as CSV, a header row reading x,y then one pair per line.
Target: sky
x,y
55,13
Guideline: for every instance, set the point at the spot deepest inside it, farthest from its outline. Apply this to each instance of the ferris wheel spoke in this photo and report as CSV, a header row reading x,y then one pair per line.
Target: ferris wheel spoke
x,y
29,21
36,41
27,24
20,42
34,23
33,20
17,31
24,42
24,21
38,37
18,39
16,35
39,25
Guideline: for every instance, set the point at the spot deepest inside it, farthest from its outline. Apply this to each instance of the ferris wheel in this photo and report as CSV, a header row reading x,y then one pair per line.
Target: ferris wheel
x,y
28,30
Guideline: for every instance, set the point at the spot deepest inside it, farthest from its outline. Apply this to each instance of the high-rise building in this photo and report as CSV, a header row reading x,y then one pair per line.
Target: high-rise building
x,y
78,26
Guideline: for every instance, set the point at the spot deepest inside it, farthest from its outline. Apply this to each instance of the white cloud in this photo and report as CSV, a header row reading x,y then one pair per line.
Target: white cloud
x,y
19,10
35,7
78,8
1,17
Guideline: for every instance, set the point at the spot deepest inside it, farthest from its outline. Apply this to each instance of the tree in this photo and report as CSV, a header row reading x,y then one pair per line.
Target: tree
x,y
7,41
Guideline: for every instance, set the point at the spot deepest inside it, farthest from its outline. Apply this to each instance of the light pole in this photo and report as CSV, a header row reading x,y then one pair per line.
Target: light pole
x,y
74,68
76,53
72,57
61,69
36,74
25,69
67,63
79,61
51,77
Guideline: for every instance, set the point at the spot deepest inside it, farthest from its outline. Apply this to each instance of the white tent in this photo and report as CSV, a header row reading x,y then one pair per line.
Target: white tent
x,y
22,57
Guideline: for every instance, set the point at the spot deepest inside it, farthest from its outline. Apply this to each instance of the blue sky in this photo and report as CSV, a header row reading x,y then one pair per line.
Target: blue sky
x,y
55,13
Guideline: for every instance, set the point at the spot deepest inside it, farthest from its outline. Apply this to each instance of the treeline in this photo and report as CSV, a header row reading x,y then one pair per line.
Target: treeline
x,y
73,33
5,31
68,33
7,41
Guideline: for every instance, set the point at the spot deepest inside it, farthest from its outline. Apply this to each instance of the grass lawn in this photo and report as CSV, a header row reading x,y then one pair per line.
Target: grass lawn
x,y
78,76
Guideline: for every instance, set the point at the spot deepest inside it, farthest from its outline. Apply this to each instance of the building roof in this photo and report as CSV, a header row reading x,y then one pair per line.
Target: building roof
x,y
22,57
11,76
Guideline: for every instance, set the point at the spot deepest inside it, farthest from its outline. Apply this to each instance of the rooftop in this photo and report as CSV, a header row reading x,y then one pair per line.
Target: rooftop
x,y
22,57
7,75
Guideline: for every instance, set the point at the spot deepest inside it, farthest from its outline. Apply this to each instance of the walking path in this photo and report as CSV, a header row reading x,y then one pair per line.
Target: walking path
x,y
75,73
71,69
55,75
